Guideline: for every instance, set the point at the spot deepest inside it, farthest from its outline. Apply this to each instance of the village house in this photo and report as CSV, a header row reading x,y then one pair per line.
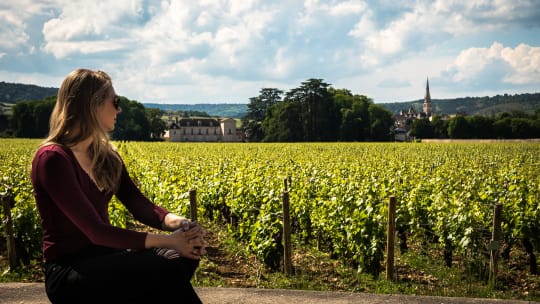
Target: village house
x,y
203,129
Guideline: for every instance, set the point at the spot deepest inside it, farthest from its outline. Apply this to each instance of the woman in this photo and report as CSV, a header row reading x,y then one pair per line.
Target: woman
x,y
75,173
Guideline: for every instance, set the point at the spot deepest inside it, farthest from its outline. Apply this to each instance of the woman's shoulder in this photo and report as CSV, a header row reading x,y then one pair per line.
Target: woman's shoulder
x,y
53,149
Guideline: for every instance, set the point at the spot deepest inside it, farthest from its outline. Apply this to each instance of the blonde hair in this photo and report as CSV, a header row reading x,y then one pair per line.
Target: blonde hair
x,y
74,119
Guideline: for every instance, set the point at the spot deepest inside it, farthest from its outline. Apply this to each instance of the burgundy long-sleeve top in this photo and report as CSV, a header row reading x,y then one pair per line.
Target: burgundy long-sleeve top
x,y
74,212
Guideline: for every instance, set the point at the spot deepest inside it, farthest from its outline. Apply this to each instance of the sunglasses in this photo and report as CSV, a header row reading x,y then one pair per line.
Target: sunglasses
x,y
116,102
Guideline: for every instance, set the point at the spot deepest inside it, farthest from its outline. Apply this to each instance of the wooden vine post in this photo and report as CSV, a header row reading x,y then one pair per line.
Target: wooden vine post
x,y
193,211
287,252
494,245
193,204
390,238
10,239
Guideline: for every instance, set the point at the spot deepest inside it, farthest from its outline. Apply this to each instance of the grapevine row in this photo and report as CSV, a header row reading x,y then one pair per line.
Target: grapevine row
x,y
338,193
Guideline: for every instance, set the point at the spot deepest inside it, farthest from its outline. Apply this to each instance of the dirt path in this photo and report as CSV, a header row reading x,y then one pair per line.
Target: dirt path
x,y
33,293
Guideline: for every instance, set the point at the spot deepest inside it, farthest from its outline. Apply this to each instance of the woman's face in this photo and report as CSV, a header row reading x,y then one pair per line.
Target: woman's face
x,y
107,112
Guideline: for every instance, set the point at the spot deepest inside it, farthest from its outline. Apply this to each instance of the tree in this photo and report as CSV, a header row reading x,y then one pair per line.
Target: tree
x,y
502,127
257,108
282,123
42,114
156,123
422,128
522,127
319,116
22,120
354,124
480,126
440,127
350,125
253,130
259,105
3,124
131,123
30,119
458,127
380,122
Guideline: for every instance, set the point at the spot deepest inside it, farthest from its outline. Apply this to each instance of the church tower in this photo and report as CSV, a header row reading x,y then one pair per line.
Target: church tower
x,y
427,107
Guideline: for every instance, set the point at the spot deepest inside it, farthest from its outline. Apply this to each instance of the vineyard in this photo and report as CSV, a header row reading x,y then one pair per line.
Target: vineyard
x,y
338,193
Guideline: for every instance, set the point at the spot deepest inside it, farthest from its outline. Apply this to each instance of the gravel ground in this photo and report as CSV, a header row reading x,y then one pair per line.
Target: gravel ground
x,y
33,293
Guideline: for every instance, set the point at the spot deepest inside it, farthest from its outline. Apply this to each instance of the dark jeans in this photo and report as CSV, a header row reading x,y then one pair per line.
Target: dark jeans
x,y
105,275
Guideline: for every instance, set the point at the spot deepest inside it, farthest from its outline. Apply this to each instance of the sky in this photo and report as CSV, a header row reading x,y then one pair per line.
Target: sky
x,y
226,51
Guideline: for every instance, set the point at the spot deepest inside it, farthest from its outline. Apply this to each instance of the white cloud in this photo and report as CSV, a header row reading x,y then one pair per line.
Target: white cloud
x,y
335,8
224,37
525,61
88,27
520,65
13,18
363,27
63,49
204,19
282,64
12,36
427,23
347,8
170,48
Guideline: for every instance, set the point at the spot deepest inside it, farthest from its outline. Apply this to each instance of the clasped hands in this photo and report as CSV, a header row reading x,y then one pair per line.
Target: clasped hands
x,y
191,243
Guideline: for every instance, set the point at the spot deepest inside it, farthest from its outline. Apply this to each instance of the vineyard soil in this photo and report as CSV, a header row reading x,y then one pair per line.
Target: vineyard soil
x,y
319,272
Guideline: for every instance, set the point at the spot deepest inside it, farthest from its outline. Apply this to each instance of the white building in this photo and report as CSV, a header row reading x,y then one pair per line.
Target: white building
x,y
203,129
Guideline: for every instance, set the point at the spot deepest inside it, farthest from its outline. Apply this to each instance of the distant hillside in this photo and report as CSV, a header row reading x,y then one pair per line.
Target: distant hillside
x,y
14,92
232,110
488,106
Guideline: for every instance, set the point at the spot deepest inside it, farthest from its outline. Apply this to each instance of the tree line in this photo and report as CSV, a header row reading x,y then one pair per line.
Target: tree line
x,y
317,112
314,111
30,119
513,125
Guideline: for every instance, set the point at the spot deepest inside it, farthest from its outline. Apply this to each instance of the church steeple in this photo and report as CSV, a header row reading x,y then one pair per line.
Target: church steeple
x,y
427,106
